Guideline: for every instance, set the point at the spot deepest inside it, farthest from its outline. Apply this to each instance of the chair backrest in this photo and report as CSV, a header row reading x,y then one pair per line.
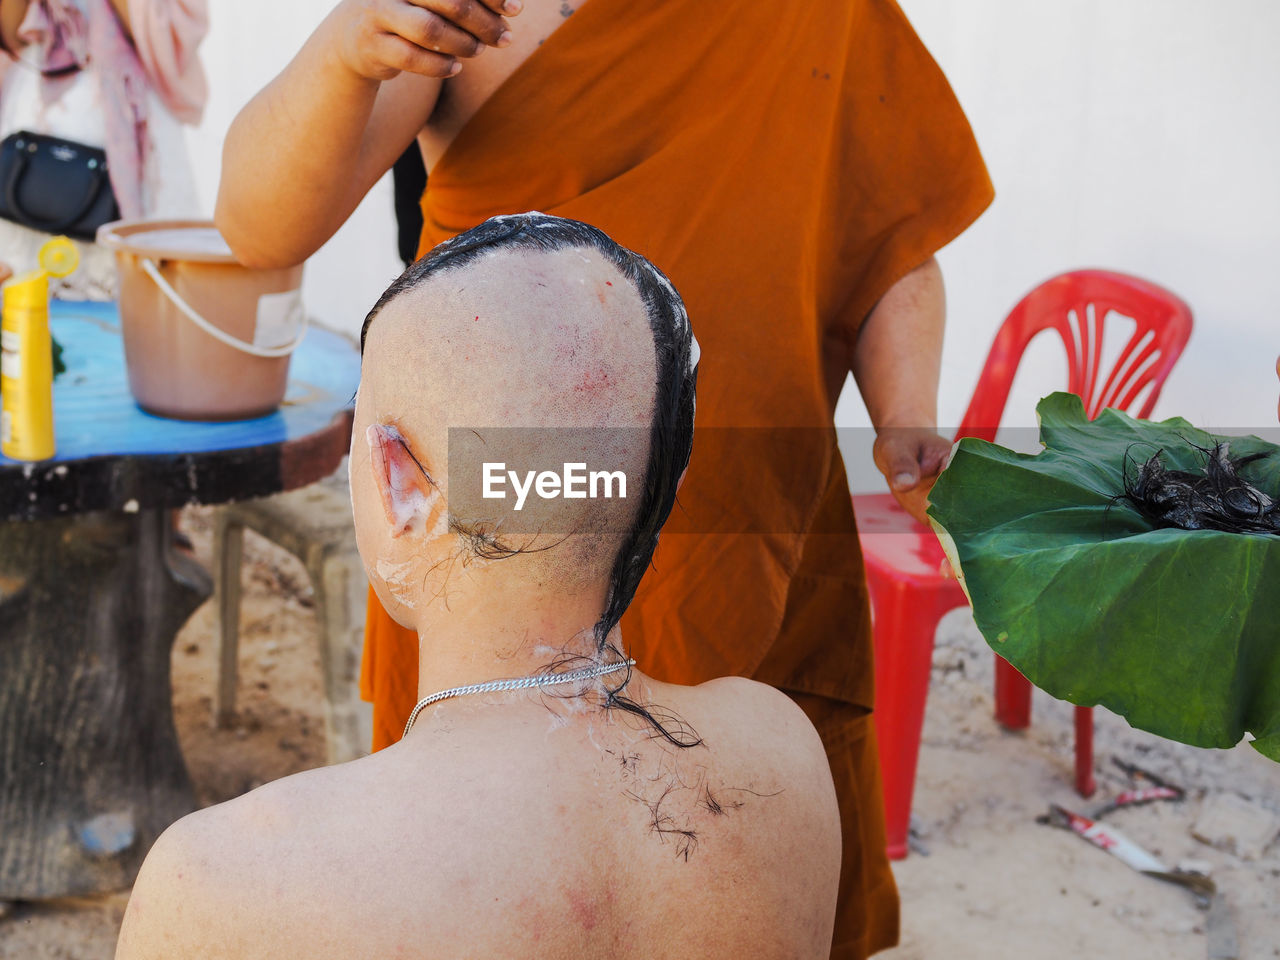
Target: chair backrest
x,y
1077,305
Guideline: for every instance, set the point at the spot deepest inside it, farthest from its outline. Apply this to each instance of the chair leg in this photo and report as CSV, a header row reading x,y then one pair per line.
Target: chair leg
x,y
1013,710
228,542
1085,783
904,627
1013,696
341,591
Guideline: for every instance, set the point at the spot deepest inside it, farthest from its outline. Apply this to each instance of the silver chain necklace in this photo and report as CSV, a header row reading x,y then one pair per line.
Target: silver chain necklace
x,y
519,683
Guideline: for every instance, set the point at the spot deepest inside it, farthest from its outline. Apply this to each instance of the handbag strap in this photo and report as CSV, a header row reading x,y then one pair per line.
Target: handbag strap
x,y
97,180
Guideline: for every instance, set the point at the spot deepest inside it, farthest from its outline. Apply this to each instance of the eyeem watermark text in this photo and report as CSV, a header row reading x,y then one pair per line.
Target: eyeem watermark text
x,y
573,482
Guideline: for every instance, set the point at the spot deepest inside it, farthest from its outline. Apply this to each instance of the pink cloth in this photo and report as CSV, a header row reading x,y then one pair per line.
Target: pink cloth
x,y
161,56
166,35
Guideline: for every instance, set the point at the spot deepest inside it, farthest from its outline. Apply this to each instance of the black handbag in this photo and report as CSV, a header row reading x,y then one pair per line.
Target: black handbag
x,y
55,185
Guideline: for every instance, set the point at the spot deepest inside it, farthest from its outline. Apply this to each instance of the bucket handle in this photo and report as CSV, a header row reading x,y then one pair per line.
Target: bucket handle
x,y
250,348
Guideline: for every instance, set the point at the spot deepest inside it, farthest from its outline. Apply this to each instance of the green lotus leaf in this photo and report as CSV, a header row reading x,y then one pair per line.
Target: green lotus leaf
x,y
1178,631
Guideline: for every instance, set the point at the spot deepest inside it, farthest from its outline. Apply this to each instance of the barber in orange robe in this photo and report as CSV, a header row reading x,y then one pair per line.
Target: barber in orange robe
x,y
793,169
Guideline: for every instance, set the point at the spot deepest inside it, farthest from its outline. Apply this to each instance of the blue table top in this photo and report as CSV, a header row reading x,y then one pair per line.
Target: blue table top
x,y
103,436
95,415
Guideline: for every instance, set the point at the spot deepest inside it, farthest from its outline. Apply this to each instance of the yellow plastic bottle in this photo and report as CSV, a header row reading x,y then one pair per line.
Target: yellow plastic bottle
x,y
26,356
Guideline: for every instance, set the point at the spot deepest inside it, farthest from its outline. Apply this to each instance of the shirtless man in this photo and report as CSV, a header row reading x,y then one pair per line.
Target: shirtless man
x,y
609,817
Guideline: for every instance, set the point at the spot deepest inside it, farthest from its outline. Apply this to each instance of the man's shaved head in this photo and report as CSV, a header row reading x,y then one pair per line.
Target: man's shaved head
x,y
542,323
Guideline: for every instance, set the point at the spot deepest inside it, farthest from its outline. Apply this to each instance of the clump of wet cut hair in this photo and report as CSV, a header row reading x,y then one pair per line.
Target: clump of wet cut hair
x,y
671,433
1218,498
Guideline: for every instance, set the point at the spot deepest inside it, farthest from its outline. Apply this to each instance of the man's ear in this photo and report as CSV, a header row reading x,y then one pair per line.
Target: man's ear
x,y
408,494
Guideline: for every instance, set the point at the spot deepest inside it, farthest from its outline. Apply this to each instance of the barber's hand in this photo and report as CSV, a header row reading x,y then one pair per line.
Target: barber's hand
x,y
378,39
911,459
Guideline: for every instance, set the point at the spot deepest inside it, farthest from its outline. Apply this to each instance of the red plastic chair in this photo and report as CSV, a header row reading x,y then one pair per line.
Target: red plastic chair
x,y
909,593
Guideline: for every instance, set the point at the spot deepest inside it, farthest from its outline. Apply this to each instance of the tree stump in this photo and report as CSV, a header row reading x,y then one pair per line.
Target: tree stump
x,y
90,768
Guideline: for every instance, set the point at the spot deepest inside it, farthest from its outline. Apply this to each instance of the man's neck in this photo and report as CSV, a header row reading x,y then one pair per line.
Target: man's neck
x,y
508,634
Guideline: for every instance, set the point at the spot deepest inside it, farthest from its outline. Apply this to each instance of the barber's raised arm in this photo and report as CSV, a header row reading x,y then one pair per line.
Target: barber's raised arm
x,y
303,153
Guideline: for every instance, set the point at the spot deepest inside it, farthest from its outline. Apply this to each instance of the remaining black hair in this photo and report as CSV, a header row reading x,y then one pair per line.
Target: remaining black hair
x,y
671,434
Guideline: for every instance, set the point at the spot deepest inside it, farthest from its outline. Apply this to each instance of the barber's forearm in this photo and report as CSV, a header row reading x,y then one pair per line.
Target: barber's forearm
x,y
290,159
898,356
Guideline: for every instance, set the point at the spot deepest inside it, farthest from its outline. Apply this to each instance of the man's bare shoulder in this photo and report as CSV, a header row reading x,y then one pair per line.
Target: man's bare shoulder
x,y
775,820
756,732
175,908
768,719
213,874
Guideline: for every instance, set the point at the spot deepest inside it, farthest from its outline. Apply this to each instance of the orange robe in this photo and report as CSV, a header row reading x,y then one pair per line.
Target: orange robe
x,y
785,165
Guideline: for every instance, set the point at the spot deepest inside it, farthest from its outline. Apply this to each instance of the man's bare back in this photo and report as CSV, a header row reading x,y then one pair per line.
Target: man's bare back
x,y
524,825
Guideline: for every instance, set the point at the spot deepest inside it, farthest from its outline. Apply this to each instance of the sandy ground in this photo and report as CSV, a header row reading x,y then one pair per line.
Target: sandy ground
x,y
998,885
993,884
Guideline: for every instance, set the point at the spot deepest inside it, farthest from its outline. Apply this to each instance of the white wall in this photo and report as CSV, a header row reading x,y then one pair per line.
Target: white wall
x,y
1140,135
249,43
